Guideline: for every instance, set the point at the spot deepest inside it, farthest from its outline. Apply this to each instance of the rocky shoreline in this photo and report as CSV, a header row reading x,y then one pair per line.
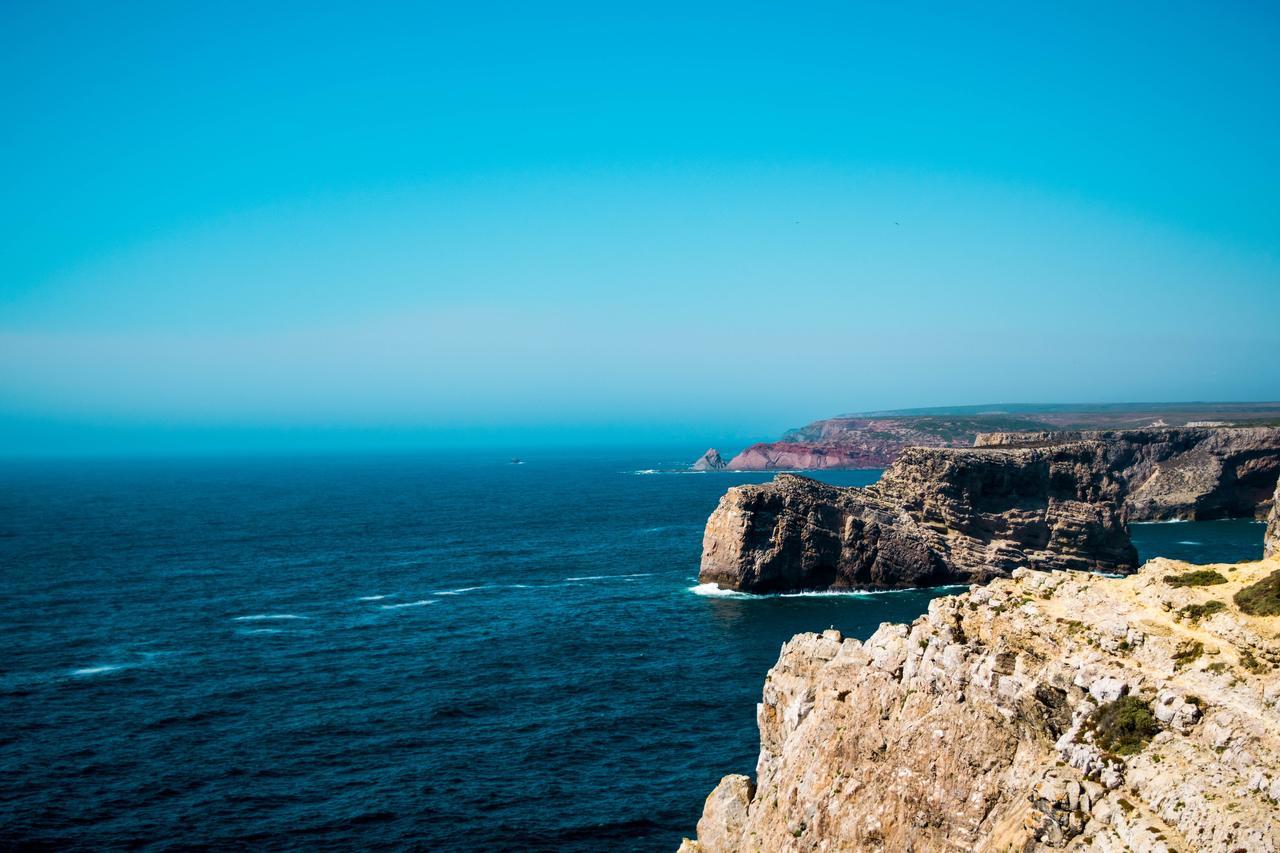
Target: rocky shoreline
x,y
1046,710
1049,500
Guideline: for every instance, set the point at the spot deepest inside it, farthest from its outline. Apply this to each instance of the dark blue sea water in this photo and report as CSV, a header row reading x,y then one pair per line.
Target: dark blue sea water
x,y
414,652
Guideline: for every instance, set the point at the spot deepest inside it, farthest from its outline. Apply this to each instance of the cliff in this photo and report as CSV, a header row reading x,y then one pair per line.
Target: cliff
x,y
937,516
1271,539
1045,711
1179,473
876,440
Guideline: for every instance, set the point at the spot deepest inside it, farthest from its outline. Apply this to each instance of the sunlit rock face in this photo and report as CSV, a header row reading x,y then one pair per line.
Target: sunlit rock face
x,y
975,727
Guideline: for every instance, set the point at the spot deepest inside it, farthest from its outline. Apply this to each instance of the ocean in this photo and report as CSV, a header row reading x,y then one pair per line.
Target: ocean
x,y
414,651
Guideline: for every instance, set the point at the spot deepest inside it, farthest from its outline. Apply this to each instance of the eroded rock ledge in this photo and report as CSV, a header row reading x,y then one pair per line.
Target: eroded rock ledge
x,y
970,729
939,515
1187,473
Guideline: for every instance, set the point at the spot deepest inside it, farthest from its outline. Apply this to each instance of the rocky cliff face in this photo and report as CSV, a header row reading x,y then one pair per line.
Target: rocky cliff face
x,y
876,440
1180,473
1271,539
937,516
709,461
1044,711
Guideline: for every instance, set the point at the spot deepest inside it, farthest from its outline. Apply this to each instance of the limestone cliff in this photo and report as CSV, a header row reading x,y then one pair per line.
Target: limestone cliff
x,y
1271,539
709,461
1180,473
938,515
1045,711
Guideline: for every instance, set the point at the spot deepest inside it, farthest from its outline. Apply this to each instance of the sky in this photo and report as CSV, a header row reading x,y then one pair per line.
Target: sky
x,y
304,226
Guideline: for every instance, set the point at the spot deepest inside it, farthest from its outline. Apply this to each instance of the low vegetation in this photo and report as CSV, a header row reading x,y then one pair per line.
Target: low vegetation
x,y
1262,598
1200,577
1196,612
1187,652
1123,727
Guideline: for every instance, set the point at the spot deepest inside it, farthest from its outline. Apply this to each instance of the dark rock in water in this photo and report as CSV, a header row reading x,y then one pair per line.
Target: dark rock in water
x,y
710,461
1186,473
939,515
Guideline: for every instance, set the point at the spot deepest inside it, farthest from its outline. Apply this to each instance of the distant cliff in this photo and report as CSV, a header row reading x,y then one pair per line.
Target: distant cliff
x,y
1047,711
937,516
876,440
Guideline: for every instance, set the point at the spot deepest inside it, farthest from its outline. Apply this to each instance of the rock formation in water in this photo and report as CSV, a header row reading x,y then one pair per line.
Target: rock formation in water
x,y
709,461
1046,711
1180,473
937,516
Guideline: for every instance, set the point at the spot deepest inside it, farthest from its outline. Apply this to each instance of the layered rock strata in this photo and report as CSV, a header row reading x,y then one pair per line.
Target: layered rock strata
x,y
975,727
937,516
1271,539
1228,472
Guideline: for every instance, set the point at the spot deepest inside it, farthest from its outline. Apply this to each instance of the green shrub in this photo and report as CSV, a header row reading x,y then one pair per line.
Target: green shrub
x,y
1196,612
1200,577
1124,726
1263,598
1187,652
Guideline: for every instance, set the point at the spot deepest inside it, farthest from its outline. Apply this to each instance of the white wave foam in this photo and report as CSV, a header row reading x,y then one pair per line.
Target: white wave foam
x,y
268,617
409,604
460,590
1163,521
1189,542
372,597
610,577
97,670
263,631
714,591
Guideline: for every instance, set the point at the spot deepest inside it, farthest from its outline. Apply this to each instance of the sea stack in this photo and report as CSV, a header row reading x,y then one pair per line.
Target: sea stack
x,y
937,516
709,461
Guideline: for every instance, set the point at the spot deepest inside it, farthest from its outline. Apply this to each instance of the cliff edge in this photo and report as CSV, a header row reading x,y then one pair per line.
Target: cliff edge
x,y
1044,711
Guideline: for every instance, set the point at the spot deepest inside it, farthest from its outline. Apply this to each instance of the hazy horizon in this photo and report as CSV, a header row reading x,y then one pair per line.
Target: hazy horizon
x,y
247,229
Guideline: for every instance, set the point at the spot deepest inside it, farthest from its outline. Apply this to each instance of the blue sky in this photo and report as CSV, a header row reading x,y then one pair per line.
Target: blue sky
x,y
227,226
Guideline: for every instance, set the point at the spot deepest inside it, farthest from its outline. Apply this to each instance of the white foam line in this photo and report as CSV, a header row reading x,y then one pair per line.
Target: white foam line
x,y
264,617
372,597
97,670
610,577
1189,542
459,591
409,604
1163,521
712,590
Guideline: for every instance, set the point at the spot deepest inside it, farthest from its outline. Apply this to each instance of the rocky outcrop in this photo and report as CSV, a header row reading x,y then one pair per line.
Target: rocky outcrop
x,y
937,516
709,461
1045,711
795,456
1271,539
1180,473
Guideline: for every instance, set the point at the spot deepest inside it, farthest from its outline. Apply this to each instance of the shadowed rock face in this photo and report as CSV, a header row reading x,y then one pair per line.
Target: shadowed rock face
x,y
1271,541
1186,473
939,515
